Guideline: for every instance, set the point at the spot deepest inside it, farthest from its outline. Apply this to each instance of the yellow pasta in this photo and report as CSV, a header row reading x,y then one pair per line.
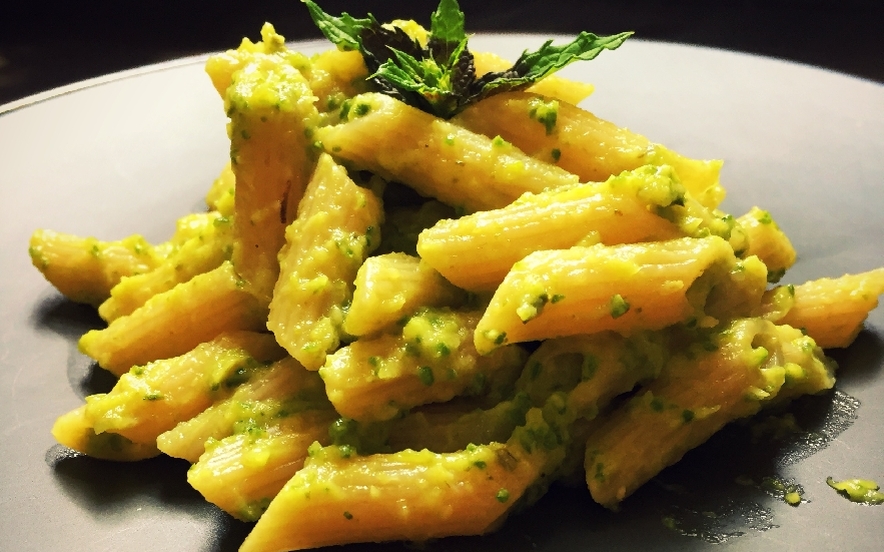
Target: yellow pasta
x,y
220,195
832,310
392,286
151,399
86,269
647,204
767,242
579,142
271,112
337,227
412,495
694,397
174,322
74,430
262,397
243,472
591,289
211,245
432,360
437,158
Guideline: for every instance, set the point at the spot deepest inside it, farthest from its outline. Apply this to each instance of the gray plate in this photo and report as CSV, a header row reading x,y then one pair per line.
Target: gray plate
x,y
132,152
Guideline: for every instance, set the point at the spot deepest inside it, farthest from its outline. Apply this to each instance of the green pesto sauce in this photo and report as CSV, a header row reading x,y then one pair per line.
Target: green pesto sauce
x,y
790,493
619,306
253,510
425,373
532,306
154,396
362,109
499,142
545,113
864,491
588,367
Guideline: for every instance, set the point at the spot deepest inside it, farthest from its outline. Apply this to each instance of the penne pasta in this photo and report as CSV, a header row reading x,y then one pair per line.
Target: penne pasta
x,y
260,398
339,497
580,290
85,269
221,193
473,288
74,430
437,158
767,242
574,139
271,110
210,245
832,310
391,287
431,360
151,399
175,321
243,472
644,205
337,227
695,395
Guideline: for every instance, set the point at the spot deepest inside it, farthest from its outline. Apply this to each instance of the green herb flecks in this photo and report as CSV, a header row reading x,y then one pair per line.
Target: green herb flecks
x,y
440,77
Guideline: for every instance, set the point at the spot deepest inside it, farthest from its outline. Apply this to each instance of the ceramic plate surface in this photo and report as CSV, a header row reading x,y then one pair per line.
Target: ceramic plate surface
x,y
132,152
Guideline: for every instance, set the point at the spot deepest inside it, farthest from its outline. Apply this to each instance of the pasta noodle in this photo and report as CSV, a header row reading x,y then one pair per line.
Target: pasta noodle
x,y
393,325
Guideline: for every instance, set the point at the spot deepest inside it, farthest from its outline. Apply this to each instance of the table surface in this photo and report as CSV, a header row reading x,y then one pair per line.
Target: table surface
x,y
48,44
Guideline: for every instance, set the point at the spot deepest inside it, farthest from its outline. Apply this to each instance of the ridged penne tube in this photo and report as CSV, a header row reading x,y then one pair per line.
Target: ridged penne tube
x,y
340,498
623,209
210,246
221,67
807,369
74,430
152,399
832,310
432,360
267,396
737,290
447,427
767,242
574,139
272,112
243,472
337,227
85,269
175,321
392,286
585,290
593,369
437,158
334,76
552,86
729,375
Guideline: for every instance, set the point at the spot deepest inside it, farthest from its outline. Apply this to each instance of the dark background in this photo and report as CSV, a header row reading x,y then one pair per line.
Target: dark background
x,y
52,43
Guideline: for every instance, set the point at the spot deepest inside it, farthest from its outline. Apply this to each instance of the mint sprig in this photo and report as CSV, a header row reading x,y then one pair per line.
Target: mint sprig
x,y
440,78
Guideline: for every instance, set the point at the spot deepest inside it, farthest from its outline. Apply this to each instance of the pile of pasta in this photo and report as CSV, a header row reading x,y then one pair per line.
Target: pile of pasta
x,y
389,326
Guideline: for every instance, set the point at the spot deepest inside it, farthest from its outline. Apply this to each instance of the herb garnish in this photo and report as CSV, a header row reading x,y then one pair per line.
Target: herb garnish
x,y
440,78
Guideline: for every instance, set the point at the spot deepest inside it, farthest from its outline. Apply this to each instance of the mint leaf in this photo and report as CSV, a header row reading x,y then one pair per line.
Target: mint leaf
x,y
447,22
343,31
533,66
441,77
